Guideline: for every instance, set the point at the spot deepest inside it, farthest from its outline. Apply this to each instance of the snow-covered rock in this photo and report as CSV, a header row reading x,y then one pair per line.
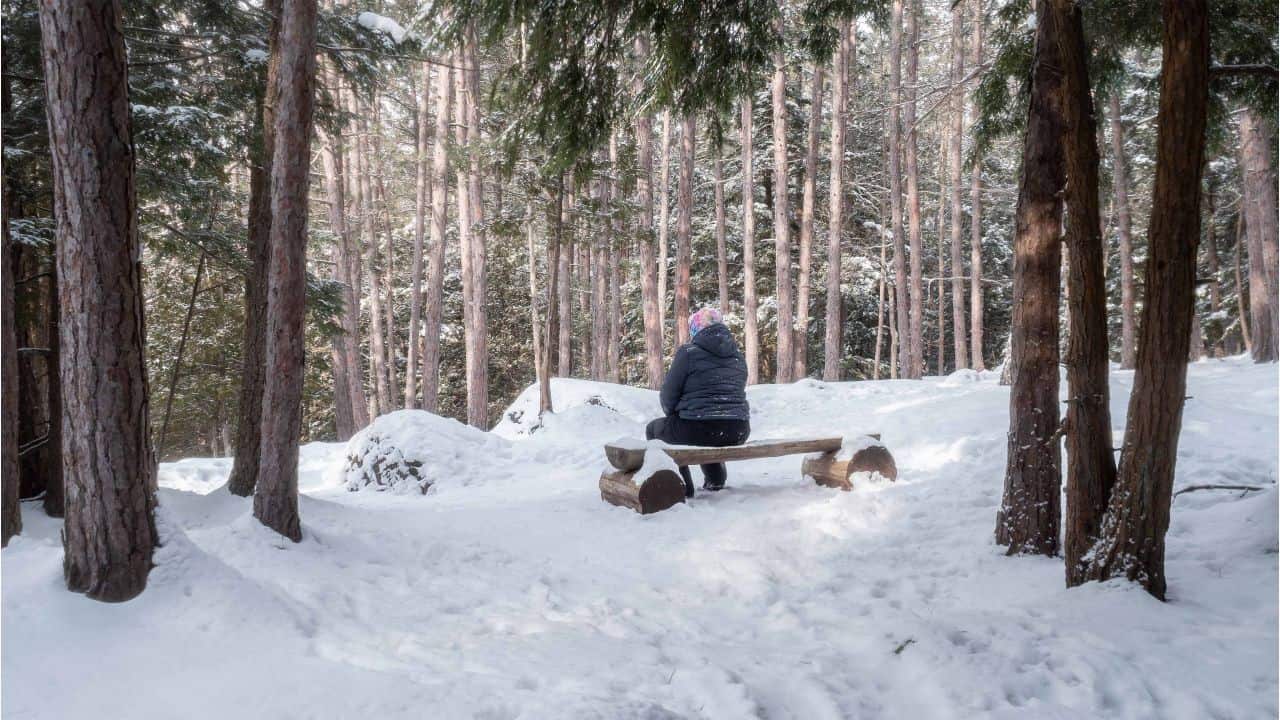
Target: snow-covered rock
x,y
410,451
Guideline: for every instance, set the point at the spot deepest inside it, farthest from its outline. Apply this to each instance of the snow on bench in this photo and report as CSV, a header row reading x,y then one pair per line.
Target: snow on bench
x,y
645,476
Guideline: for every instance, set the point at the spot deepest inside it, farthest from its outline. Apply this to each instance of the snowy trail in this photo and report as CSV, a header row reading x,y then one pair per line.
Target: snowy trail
x,y
519,594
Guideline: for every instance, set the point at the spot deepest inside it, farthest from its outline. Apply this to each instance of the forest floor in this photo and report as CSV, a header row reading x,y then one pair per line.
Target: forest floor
x,y
511,591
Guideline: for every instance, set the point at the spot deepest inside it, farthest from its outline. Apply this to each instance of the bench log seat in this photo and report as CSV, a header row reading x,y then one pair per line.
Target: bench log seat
x,y
663,488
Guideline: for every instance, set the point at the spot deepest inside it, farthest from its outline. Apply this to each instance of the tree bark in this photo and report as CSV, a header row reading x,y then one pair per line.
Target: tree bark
x,y
10,509
954,149
109,468
645,240
684,227
1241,304
377,329
1214,264
650,298
614,263
1029,517
275,502
664,219
916,329
834,316
976,309
475,331
807,200
244,467
1128,294
175,373
423,192
377,167
1091,467
1132,538
1259,183
564,274
722,249
784,372
750,308
600,289
434,299
901,301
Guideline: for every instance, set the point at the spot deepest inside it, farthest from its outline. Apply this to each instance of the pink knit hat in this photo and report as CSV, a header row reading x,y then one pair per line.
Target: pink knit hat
x,y
703,318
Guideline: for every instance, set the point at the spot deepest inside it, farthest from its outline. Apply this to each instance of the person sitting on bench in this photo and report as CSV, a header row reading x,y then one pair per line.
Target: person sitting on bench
x,y
704,396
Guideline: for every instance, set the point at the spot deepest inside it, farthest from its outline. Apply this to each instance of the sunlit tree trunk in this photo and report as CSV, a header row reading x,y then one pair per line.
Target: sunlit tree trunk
x,y
901,302
834,316
1030,516
614,263
434,299
1259,183
782,225
684,227
954,150
976,309
474,274
650,298
1128,293
722,249
421,200
1131,543
750,309
807,200
664,219
915,332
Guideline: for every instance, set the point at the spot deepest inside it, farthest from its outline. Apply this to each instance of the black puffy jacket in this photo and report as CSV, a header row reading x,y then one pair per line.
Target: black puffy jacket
x,y
707,379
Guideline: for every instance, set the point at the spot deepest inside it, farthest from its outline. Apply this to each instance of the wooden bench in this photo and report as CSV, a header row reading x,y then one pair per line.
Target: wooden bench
x,y
661,488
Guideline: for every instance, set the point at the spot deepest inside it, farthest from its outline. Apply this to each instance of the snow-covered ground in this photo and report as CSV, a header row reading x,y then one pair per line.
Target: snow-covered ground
x,y
511,591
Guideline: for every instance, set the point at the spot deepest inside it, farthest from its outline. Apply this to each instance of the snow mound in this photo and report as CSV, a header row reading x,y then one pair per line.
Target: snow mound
x,y
961,377
578,400
410,451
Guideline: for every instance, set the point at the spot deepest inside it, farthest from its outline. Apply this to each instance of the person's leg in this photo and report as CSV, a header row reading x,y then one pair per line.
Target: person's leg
x,y
721,433
668,429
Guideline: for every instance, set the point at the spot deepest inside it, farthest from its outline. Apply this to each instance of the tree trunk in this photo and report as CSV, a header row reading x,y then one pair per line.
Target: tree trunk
x,y
1241,305
807,200
834,319
614,263
275,503
784,373
916,328
1029,517
954,148
377,168
177,360
1120,179
1091,467
377,328
722,249
423,188
1215,271
110,470
244,468
555,221
600,289
901,302
540,366
564,274
664,219
684,227
434,300
10,509
976,309
941,218
650,298
1259,183
476,331
750,309
1132,538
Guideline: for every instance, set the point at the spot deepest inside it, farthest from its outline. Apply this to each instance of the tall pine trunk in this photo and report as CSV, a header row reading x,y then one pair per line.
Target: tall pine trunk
x,y
474,277
684,227
421,199
955,141
664,219
722,249
1259,183
976,304
10,510
614,263
275,502
750,307
784,372
387,276
1132,538
244,467
807,200
834,316
1091,467
377,329
901,302
1128,293
649,296
109,467
915,331
564,281
434,299
600,287
1029,516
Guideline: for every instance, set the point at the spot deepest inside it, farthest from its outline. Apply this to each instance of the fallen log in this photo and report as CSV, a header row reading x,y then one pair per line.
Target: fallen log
x,y
652,493
830,470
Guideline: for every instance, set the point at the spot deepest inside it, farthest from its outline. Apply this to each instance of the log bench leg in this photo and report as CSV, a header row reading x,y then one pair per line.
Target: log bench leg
x,y
828,471
655,493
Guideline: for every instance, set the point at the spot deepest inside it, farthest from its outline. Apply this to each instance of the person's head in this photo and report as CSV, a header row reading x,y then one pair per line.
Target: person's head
x,y
704,318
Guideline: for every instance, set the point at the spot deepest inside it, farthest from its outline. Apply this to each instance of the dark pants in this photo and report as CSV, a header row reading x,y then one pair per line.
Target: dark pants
x,y
676,430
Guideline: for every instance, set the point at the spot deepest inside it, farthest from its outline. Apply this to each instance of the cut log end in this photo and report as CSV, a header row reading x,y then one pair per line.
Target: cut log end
x,y
828,471
657,492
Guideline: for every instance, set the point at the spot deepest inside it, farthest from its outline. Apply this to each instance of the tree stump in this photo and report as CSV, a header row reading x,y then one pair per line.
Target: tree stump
x,y
829,470
655,493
